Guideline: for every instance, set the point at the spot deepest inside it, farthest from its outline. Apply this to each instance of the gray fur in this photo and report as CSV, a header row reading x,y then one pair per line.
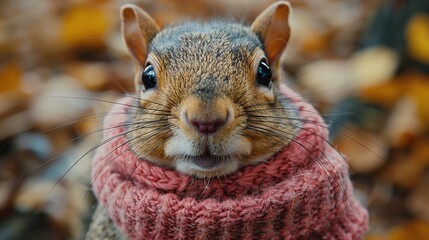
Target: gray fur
x,y
213,51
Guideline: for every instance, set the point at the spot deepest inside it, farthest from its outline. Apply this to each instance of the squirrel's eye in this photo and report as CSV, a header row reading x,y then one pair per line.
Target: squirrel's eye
x,y
264,74
149,77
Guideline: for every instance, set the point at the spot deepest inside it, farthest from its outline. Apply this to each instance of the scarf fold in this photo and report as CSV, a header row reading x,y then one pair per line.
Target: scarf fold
x,y
302,192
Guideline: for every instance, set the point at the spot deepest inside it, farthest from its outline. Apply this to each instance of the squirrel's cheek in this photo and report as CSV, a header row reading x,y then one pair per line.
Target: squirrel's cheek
x,y
235,144
180,145
268,93
147,94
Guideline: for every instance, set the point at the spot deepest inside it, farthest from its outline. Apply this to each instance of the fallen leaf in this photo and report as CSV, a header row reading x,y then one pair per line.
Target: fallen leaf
x,y
10,75
85,26
417,37
415,230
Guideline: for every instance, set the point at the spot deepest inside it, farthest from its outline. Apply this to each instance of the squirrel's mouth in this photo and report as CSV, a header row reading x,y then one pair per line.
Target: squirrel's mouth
x,y
207,160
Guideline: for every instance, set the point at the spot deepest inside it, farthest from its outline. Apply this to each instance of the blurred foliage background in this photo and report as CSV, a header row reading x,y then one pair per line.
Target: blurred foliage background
x,y
363,63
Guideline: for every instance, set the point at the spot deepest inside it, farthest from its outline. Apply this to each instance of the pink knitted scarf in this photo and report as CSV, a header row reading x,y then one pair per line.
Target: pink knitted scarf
x,y
303,192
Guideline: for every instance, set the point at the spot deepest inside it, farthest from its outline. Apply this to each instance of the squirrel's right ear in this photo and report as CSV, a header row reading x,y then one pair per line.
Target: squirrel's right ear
x,y
138,29
272,27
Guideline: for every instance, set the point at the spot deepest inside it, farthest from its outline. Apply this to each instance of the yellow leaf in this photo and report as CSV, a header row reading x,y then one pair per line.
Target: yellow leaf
x,y
85,26
417,36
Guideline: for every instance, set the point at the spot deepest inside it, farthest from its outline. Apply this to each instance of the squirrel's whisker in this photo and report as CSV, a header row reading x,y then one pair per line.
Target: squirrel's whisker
x,y
54,158
132,142
269,131
142,158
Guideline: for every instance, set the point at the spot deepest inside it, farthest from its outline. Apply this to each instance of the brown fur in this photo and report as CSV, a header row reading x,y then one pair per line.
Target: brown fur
x,y
207,72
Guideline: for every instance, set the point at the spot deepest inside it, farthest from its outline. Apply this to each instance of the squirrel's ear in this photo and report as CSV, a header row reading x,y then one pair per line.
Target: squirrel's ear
x,y
138,29
272,27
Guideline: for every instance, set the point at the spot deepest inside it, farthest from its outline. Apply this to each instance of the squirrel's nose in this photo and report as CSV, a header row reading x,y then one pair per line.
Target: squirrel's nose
x,y
207,127
203,117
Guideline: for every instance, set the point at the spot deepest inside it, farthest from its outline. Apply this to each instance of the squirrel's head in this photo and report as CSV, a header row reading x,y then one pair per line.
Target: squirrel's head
x,y
207,99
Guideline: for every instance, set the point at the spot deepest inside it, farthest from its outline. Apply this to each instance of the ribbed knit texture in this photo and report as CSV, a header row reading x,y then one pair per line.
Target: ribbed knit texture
x,y
303,192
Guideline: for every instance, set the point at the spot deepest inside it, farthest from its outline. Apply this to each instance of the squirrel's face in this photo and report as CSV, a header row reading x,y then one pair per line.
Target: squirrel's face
x,y
207,103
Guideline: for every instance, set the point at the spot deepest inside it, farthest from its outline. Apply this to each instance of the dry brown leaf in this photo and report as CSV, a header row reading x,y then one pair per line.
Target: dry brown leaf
x,y
375,237
365,151
385,94
418,89
415,230
403,124
10,75
406,170
418,200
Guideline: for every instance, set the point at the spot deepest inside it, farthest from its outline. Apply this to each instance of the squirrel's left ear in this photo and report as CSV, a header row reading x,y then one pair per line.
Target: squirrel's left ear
x,y
138,30
272,27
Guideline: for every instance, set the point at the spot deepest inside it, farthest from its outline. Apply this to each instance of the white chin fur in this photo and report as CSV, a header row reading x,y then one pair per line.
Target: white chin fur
x,y
234,145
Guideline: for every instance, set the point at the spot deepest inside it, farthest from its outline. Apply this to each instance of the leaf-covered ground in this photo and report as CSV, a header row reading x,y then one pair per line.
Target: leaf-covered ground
x,y
364,64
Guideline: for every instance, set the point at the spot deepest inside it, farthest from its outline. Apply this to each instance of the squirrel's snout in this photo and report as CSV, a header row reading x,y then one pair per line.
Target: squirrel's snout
x,y
206,118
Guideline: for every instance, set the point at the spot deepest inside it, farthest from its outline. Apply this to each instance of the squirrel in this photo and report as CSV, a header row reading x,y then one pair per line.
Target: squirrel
x,y
208,91
208,103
